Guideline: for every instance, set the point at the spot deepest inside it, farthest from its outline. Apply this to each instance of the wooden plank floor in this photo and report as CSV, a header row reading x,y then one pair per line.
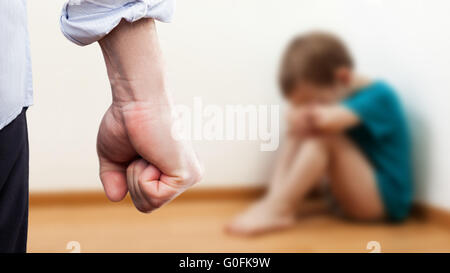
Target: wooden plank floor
x,y
197,226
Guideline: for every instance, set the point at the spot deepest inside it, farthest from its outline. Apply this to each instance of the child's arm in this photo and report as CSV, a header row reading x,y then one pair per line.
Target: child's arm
x,y
320,118
332,118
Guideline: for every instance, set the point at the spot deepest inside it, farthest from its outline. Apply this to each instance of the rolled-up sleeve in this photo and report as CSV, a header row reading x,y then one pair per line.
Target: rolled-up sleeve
x,y
86,21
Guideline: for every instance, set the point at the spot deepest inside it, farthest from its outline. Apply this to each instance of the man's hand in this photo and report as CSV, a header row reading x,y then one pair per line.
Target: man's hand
x,y
144,131
139,123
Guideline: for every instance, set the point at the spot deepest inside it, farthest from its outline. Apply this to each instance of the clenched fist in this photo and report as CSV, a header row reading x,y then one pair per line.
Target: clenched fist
x,y
136,149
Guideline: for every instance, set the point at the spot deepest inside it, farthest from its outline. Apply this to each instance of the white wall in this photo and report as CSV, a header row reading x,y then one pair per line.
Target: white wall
x,y
227,52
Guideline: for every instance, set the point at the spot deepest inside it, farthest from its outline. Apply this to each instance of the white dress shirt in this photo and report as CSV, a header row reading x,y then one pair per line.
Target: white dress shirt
x,y
87,21
82,22
15,66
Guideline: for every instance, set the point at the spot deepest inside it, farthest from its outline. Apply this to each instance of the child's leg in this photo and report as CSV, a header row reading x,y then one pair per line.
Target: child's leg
x,y
352,180
284,160
278,208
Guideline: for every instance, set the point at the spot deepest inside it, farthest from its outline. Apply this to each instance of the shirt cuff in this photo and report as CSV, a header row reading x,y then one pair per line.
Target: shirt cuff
x,y
86,21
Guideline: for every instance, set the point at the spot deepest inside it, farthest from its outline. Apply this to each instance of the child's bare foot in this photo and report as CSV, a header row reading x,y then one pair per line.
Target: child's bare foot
x,y
263,216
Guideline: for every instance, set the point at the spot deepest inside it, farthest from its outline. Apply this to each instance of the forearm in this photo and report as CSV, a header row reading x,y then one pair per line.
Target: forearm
x,y
333,119
134,63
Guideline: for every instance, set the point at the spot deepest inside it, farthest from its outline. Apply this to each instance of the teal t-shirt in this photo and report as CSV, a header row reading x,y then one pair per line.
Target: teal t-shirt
x,y
383,137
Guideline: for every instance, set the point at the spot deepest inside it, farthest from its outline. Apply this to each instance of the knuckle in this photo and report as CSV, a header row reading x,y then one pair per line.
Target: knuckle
x,y
193,175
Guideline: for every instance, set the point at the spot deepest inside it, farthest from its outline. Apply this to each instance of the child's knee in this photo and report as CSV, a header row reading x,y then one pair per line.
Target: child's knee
x,y
339,142
316,143
325,143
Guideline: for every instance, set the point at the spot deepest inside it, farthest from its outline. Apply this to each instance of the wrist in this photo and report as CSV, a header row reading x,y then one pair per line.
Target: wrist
x,y
126,92
134,63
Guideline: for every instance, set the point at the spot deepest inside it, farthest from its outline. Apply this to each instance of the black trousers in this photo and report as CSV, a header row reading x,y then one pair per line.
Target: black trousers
x,y
14,157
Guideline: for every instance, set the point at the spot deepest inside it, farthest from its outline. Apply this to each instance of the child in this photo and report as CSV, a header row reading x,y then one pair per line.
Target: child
x,y
343,127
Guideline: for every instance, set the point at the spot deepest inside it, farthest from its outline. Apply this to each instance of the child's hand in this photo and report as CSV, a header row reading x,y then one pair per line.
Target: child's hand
x,y
149,189
300,121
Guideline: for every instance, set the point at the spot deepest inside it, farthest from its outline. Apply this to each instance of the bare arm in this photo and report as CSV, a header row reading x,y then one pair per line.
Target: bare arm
x,y
134,63
321,118
332,118
139,122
